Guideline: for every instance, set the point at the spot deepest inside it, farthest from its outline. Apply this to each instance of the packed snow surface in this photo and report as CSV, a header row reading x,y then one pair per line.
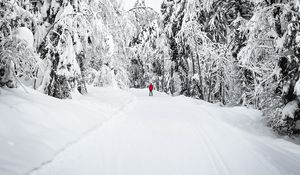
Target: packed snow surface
x,y
134,134
34,128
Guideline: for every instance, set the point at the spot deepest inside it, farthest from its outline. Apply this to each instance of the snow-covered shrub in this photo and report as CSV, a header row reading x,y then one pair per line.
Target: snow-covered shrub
x,y
18,60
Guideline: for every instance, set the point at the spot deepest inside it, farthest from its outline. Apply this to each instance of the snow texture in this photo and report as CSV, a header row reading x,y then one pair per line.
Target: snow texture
x,y
290,109
25,34
151,135
34,127
297,88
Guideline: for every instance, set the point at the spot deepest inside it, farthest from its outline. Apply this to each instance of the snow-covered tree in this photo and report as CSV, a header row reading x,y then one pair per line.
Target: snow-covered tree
x,y
149,49
149,58
268,63
112,31
205,64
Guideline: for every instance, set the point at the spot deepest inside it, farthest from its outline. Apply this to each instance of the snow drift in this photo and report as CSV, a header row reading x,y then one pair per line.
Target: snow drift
x,y
35,127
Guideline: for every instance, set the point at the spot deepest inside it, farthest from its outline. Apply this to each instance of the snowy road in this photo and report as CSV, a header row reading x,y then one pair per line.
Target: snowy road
x,y
178,136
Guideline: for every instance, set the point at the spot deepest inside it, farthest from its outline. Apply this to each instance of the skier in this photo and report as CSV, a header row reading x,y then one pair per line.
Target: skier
x,y
150,89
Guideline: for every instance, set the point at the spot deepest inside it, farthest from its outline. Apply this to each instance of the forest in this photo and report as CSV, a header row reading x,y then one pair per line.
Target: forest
x,y
230,52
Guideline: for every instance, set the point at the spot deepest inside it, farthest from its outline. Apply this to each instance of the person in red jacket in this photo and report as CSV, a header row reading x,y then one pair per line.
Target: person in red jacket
x,y
151,89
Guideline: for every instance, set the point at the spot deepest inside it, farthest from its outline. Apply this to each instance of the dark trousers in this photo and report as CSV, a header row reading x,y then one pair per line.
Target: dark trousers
x,y
150,93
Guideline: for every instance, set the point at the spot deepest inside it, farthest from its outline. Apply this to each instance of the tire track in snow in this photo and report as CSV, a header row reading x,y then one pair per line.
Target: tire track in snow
x,y
81,137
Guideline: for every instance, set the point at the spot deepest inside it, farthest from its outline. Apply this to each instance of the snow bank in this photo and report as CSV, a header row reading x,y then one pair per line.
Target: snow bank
x,y
35,127
248,120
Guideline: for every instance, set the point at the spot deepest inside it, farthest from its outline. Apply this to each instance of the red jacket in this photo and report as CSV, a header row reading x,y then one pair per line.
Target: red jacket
x,y
150,87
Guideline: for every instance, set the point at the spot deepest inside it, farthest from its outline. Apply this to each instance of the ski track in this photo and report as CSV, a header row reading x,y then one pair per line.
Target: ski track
x,y
157,136
76,141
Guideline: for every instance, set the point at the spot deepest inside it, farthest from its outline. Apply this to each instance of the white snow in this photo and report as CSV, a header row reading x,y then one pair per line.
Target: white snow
x,y
64,12
196,77
280,42
68,65
160,135
25,34
44,9
297,88
297,2
290,109
35,127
